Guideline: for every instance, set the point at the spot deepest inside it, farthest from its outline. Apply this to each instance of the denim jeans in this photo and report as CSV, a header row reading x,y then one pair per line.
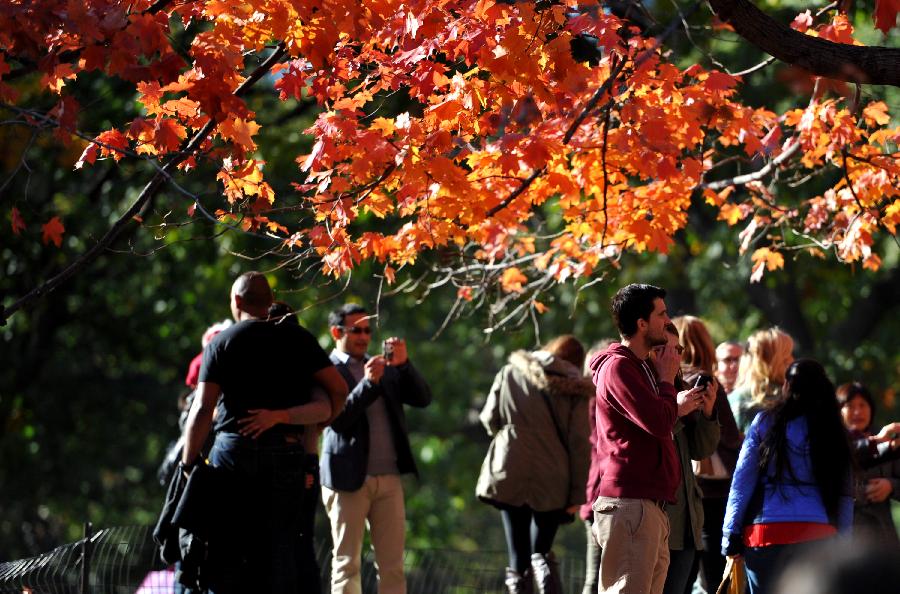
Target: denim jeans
x,y
259,551
764,565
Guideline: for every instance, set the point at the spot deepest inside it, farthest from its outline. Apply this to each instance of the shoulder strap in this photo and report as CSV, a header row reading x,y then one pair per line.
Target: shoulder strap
x,y
347,375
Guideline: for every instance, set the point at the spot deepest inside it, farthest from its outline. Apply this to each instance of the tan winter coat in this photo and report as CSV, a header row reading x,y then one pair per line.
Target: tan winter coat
x,y
527,463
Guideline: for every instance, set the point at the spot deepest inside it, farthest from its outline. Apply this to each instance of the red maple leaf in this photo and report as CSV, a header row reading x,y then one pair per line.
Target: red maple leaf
x,y
18,225
886,14
168,134
53,231
292,82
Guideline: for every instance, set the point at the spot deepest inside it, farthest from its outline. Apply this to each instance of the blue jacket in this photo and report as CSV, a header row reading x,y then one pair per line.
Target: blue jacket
x,y
791,499
345,446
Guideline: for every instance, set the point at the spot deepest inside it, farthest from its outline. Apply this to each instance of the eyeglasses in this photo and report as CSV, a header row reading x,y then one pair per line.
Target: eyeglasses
x,y
357,329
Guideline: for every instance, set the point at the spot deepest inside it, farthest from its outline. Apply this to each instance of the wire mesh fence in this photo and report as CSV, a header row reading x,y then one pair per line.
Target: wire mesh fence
x,y
125,560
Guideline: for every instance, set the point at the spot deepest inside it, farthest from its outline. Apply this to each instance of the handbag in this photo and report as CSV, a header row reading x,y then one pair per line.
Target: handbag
x,y
734,579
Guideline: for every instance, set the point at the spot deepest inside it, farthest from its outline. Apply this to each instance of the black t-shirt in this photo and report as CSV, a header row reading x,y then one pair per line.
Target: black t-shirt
x,y
259,364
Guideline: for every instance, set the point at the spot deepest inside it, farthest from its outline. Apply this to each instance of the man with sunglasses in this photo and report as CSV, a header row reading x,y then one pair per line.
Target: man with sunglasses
x,y
366,450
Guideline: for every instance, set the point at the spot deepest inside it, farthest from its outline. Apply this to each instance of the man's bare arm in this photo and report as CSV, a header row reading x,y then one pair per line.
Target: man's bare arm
x,y
199,421
333,382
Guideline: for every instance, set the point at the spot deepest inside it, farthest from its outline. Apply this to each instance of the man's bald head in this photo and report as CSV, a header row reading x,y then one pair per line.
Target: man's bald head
x,y
251,294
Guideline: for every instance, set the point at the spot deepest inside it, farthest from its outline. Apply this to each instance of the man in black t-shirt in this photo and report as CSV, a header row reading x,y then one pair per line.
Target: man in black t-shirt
x,y
258,365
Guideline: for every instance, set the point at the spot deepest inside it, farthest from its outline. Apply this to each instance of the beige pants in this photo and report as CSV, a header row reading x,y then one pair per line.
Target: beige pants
x,y
379,505
634,537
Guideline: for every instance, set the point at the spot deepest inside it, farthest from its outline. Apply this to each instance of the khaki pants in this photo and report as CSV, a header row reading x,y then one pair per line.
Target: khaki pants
x,y
379,505
634,537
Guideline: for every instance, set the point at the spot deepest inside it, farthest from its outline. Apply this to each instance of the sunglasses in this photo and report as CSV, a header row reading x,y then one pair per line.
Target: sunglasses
x,y
357,329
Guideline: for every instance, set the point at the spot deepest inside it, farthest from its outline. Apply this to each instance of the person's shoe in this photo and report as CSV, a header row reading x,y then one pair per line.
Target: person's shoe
x,y
546,573
519,583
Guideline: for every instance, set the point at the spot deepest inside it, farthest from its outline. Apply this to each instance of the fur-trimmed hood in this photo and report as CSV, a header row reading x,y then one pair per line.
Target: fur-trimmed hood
x,y
548,372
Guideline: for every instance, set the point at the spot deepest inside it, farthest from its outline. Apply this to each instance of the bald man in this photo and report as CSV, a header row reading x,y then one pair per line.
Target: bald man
x,y
255,365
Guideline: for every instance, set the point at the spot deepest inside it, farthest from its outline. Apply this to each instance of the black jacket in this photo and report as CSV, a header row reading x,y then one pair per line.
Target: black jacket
x,y
345,448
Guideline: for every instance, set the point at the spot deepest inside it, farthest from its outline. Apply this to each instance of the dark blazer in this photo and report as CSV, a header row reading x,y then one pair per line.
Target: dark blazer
x,y
345,447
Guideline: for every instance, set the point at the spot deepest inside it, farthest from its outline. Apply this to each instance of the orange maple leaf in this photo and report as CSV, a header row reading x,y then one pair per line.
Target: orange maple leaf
x,y
53,231
240,131
182,107
511,280
56,80
876,113
765,259
383,125
18,225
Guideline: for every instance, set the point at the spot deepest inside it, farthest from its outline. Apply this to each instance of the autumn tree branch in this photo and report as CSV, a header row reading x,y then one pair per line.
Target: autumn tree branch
x,y
163,175
591,105
840,61
793,145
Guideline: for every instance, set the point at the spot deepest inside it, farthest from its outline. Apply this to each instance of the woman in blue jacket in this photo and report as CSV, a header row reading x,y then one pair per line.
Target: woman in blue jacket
x,y
792,484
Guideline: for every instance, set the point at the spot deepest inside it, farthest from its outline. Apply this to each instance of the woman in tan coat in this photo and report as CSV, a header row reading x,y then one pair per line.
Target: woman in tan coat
x,y
536,467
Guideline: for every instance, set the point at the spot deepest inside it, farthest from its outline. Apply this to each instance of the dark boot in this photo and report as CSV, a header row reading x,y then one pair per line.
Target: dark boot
x,y
546,573
519,583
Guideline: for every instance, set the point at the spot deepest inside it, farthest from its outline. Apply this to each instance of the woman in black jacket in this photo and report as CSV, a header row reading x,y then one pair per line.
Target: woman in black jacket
x,y
877,479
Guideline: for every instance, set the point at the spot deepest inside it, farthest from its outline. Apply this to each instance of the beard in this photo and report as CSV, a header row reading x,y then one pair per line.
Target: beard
x,y
655,340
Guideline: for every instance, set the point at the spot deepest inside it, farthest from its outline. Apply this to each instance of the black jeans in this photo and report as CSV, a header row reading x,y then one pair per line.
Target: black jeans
x,y
709,562
260,552
310,575
680,565
528,531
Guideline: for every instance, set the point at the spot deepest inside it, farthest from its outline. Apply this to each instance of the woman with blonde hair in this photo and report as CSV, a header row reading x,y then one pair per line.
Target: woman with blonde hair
x,y
769,353
713,473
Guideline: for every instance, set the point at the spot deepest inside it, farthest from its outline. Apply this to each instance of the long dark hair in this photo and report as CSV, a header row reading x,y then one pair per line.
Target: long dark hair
x,y
809,393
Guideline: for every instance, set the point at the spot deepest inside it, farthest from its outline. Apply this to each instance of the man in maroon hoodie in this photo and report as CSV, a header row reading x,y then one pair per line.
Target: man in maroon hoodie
x,y
639,470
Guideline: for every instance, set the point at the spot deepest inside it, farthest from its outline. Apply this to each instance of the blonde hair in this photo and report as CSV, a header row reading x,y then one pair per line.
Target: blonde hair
x,y
699,351
764,363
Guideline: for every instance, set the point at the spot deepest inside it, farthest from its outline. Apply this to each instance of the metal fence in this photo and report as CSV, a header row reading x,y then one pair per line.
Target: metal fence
x,y
125,560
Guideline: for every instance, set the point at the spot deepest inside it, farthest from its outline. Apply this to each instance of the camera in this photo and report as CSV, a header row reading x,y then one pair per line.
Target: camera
x,y
387,348
703,380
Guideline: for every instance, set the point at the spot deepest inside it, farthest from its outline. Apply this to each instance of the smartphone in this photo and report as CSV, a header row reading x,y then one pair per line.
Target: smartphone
x,y
703,380
387,350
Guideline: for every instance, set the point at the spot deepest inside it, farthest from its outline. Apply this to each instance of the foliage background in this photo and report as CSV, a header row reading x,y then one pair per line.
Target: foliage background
x,y
91,376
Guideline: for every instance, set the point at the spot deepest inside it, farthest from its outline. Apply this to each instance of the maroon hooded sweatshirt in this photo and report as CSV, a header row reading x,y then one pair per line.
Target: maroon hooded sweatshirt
x,y
635,415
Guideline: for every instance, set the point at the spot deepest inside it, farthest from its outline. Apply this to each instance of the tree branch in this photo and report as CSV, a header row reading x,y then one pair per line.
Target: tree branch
x,y
150,190
840,61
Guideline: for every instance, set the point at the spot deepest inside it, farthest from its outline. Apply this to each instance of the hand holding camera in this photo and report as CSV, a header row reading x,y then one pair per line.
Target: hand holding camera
x,y
394,351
